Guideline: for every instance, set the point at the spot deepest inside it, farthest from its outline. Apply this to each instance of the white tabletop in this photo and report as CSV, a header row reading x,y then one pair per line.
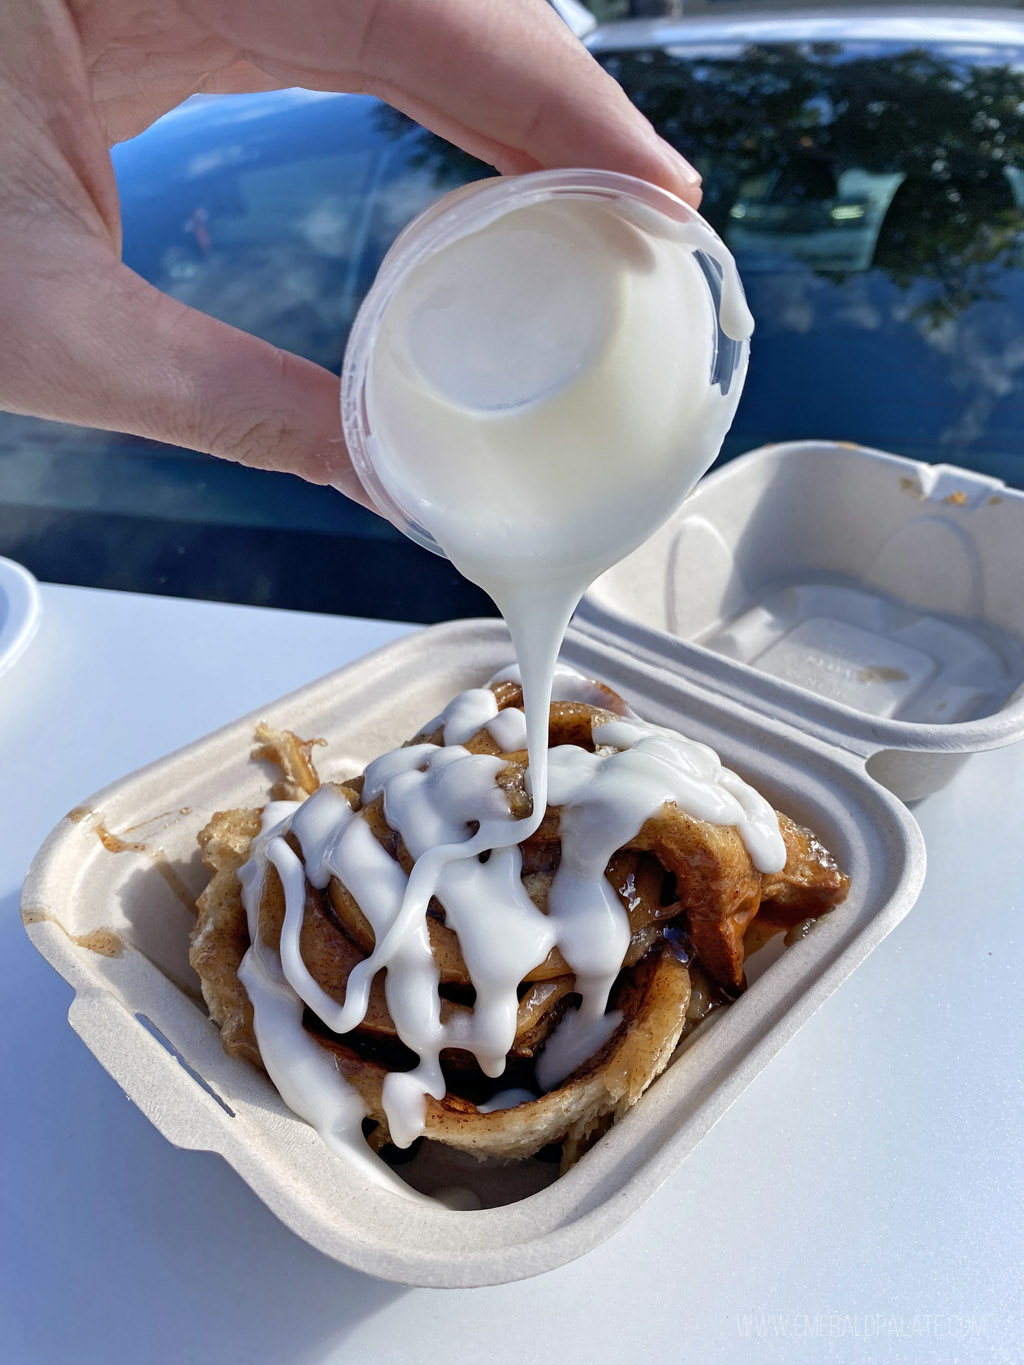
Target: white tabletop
x,y
863,1200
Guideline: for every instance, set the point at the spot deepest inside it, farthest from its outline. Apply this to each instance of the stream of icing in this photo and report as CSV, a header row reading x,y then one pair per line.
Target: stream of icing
x,y
542,397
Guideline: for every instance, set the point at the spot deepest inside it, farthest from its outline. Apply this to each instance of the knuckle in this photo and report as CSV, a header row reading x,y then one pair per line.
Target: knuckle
x,y
260,440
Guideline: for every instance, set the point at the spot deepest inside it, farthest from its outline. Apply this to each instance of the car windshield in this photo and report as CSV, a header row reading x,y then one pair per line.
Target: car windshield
x,y
871,190
272,212
873,195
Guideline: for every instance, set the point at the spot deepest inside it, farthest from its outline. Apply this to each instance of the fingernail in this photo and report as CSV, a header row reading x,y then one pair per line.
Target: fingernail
x,y
683,168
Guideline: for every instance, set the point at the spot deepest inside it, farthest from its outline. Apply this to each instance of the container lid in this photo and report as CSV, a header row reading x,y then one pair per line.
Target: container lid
x,y
870,599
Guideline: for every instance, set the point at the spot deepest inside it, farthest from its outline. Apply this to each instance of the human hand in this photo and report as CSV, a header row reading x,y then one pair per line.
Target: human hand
x,y
86,340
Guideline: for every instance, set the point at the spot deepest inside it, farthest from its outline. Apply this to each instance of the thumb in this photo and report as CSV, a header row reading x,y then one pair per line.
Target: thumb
x,y
99,346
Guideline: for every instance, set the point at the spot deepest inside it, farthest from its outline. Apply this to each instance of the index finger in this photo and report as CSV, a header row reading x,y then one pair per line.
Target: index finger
x,y
504,79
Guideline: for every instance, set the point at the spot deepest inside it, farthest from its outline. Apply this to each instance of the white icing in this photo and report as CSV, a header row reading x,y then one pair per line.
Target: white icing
x,y
657,761
541,400
466,714
431,797
508,729
567,684
305,1076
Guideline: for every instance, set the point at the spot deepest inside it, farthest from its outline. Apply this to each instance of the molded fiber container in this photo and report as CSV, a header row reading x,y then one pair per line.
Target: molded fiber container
x,y
108,901
874,601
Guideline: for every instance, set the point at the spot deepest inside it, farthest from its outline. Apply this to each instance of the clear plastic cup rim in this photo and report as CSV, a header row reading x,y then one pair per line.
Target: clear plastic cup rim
x,y
458,214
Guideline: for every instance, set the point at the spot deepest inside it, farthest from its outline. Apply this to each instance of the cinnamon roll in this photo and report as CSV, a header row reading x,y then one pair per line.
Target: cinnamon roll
x,y
403,965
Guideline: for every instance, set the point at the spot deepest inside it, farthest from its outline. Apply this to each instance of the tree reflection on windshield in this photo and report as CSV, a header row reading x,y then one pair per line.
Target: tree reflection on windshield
x,y
906,161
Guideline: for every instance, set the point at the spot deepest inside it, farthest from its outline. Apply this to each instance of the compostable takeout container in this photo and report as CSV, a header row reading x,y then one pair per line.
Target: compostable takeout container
x,y
108,900
876,601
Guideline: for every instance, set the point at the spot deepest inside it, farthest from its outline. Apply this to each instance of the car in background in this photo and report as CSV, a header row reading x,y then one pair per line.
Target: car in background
x,y
865,167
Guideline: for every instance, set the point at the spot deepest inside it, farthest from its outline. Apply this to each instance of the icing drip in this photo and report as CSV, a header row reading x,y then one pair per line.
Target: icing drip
x,y
541,397
432,796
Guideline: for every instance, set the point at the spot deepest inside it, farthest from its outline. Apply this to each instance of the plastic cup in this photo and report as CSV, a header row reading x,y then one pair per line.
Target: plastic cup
x,y
468,210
